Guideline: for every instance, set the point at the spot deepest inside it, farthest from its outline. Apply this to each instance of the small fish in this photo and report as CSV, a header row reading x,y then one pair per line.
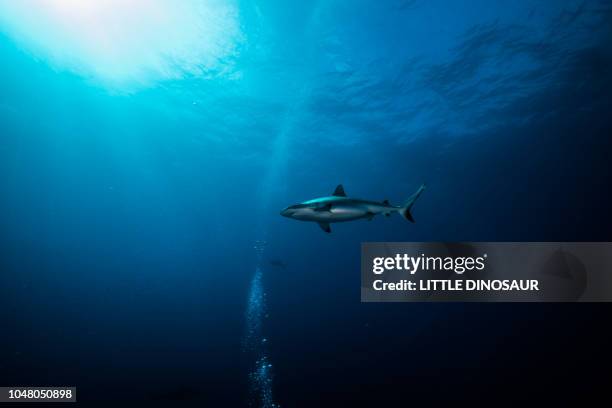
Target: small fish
x,y
278,263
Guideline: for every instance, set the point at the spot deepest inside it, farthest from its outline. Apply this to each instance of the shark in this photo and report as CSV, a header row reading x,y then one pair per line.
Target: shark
x,y
340,208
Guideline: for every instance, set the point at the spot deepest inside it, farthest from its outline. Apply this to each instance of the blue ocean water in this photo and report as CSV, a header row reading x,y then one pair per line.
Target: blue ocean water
x,y
141,241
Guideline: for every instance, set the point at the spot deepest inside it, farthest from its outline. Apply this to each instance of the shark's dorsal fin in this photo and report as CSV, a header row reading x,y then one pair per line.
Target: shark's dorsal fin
x,y
339,191
325,226
386,202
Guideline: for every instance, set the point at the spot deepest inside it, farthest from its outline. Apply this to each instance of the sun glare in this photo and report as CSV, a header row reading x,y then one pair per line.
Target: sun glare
x,y
127,43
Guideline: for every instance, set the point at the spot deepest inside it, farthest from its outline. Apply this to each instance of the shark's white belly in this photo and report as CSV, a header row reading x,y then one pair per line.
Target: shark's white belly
x,y
340,213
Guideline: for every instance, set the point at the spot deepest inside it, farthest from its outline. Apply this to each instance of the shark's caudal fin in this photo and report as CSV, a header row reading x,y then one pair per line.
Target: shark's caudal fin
x,y
405,210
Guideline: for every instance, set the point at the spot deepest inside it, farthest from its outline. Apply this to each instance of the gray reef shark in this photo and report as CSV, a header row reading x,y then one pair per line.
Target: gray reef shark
x,y
339,208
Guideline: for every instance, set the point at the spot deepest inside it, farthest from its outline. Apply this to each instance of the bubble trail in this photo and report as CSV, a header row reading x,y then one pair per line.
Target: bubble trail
x,y
261,376
255,313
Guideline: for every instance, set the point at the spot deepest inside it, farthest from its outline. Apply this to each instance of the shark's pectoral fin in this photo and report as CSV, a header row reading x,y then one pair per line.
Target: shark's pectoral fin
x,y
325,226
369,216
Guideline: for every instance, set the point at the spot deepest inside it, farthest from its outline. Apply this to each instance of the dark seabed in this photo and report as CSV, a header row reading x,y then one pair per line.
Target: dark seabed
x,y
142,254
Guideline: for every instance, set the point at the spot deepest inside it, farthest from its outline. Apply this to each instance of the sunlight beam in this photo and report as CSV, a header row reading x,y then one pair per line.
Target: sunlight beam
x,y
127,43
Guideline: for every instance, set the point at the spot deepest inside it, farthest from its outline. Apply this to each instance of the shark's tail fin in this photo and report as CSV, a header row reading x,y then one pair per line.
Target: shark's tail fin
x,y
405,210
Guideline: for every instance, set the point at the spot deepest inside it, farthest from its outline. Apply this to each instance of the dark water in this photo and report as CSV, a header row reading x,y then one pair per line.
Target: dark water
x,y
133,220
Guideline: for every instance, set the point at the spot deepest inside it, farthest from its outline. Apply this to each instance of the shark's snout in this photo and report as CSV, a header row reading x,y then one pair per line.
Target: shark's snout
x,y
287,212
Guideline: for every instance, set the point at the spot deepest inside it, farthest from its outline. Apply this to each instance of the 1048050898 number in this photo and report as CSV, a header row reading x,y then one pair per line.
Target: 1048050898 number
x,y
8,394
